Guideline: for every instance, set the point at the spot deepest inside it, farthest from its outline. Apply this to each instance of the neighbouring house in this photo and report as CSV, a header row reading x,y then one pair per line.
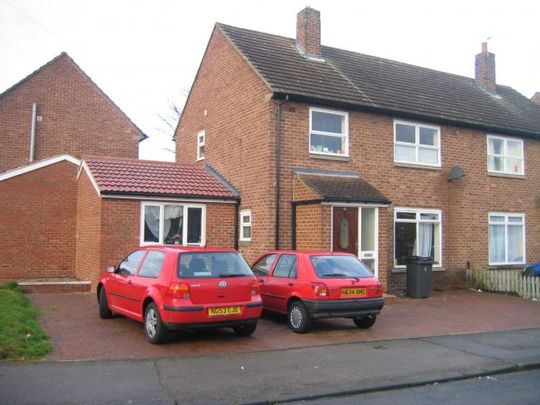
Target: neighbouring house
x,y
49,120
332,149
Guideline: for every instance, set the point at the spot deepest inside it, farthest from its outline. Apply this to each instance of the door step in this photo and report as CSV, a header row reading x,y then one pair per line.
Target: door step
x,y
389,299
54,286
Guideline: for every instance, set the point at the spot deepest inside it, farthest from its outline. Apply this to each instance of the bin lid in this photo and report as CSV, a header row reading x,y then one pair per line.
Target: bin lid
x,y
419,259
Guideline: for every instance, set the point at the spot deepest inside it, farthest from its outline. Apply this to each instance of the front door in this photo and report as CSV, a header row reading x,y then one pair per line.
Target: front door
x,y
345,225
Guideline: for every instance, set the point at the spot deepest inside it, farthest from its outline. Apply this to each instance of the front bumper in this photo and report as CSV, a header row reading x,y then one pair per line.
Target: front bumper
x,y
319,309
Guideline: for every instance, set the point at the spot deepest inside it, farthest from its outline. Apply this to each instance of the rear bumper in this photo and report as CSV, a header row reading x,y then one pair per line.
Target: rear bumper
x,y
219,324
319,309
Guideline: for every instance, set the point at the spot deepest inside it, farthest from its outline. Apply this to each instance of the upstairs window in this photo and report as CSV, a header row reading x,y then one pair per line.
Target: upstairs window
x,y
328,132
505,155
245,225
417,144
201,139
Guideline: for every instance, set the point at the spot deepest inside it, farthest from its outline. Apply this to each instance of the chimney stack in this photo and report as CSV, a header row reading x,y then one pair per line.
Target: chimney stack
x,y
484,69
308,32
536,98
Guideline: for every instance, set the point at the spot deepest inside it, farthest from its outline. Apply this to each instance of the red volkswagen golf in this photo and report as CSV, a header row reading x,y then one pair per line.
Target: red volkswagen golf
x,y
169,287
315,285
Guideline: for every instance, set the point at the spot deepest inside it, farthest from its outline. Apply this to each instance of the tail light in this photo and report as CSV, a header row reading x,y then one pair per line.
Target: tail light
x,y
255,288
376,290
179,290
320,289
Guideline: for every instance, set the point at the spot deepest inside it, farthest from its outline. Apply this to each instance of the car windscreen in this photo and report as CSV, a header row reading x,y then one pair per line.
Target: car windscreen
x,y
212,264
339,266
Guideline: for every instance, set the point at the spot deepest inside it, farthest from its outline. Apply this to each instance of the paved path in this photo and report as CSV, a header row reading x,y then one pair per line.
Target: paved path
x,y
274,375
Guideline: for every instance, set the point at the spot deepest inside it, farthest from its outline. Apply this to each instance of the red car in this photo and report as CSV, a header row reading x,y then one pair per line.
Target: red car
x,y
169,287
316,285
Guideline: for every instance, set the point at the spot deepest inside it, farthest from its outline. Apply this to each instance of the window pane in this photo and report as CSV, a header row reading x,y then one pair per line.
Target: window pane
x,y
246,219
285,266
405,153
405,133
344,233
426,239
326,122
262,267
152,264
496,218
495,163
151,223
514,149
194,225
339,266
368,229
515,244
212,264
405,234
406,215
429,217
327,144
495,146
430,156
496,244
428,136
172,224
514,165
130,264
515,220
246,232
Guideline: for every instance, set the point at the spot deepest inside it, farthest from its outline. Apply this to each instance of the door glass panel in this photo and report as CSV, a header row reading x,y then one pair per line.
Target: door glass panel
x,y
370,263
343,233
368,229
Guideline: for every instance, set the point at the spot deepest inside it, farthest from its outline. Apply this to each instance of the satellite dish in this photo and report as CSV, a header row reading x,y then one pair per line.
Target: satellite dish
x,y
456,173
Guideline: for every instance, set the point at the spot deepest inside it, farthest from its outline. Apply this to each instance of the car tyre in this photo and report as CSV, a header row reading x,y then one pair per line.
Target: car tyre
x,y
246,329
365,322
298,317
154,328
104,311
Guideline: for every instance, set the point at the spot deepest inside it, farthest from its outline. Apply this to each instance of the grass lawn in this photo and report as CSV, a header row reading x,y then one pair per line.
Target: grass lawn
x,y
21,337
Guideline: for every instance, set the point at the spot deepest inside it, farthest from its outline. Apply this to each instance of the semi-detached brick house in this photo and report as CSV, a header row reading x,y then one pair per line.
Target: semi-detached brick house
x,y
332,149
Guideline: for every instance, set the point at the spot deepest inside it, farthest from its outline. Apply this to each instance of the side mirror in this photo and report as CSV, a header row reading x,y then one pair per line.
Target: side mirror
x,y
111,269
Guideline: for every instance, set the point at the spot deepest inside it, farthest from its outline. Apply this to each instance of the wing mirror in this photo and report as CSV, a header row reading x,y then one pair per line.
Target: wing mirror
x,y
111,269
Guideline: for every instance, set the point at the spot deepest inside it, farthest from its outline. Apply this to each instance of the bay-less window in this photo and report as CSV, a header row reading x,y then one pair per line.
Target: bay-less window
x,y
172,224
506,238
328,132
245,225
201,141
417,233
505,155
417,144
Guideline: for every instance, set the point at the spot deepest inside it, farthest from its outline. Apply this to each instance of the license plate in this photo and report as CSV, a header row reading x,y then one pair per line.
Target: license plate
x,y
224,311
353,292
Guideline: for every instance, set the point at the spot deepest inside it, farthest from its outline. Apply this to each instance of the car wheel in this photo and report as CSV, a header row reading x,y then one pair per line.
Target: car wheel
x,y
365,322
298,317
246,329
104,311
155,329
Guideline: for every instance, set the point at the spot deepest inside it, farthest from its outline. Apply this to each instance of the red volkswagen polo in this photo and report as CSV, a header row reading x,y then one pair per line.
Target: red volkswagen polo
x,y
315,285
169,287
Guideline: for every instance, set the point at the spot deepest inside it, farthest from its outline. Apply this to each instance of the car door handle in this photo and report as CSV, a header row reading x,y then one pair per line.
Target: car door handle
x,y
261,281
291,284
129,282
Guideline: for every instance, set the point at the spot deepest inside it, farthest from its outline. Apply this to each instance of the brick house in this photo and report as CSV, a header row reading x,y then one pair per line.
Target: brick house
x,y
332,149
49,120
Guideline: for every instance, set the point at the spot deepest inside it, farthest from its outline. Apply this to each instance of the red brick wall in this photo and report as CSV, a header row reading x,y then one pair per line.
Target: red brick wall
x,y
76,118
37,223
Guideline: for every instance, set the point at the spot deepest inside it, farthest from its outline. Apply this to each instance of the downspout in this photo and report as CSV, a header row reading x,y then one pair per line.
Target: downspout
x,y
237,226
33,132
278,169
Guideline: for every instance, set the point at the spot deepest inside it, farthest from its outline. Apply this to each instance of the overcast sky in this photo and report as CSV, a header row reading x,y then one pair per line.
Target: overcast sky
x,y
145,54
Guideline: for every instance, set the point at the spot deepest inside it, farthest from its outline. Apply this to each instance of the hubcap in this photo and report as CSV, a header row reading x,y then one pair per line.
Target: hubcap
x,y
296,317
151,322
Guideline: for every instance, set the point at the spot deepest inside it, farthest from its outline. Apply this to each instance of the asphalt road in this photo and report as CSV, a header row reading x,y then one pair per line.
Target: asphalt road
x,y
514,388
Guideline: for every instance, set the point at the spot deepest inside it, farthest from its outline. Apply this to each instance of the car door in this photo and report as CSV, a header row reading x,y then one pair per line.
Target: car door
x,y
122,294
261,269
148,276
281,283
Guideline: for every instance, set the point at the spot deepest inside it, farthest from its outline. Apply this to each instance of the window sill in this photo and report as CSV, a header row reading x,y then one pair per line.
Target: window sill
x,y
506,266
508,175
417,166
397,270
329,157
244,243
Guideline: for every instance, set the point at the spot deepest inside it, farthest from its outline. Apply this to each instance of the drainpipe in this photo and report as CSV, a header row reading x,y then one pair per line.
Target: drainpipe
x,y
33,132
237,226
278,169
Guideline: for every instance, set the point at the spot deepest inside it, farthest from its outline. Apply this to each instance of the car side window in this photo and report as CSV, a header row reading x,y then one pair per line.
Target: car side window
x,y
262,267
152,264
285,267
129,265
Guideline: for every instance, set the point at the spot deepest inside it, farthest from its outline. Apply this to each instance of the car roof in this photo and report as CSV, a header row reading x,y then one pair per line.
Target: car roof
x,y
310,252
184,249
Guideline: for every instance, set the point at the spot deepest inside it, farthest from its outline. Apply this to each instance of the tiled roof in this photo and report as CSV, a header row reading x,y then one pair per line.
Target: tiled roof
x,y
343,189
377,84
123,176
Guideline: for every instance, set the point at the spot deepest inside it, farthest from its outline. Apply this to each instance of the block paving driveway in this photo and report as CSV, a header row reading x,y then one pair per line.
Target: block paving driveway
x,y
72,323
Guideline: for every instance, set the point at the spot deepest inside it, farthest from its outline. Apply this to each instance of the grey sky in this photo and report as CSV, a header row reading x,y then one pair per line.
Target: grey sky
x,y
144,54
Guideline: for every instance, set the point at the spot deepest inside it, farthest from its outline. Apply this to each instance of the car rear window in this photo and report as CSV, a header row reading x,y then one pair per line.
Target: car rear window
x,y
339,266
212,264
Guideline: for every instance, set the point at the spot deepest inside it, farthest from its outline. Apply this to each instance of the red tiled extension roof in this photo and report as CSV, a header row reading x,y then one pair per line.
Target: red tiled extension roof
x,y
123,176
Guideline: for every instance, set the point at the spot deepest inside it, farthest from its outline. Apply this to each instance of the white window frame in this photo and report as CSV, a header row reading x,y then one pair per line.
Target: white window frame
x,y
417,145
201,135
242,224
506,223
504,156
344,134
417,221
161,206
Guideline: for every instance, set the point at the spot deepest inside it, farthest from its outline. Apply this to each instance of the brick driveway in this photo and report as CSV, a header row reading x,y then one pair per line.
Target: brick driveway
x,y
72,323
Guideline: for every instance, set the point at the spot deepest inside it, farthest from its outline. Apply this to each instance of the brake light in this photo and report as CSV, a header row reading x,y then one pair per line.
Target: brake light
x,y
320,289
179,290
376,290
255,288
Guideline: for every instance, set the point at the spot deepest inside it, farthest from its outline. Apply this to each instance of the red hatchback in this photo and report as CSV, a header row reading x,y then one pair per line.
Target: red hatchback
x,y
169,287
315,285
